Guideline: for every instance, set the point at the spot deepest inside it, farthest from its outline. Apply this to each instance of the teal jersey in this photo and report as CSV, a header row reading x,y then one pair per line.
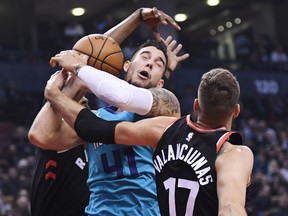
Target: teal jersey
x,y
121,178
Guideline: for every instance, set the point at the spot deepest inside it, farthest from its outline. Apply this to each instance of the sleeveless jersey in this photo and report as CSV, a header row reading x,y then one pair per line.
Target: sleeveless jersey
x,y
184,160
121,178
59,183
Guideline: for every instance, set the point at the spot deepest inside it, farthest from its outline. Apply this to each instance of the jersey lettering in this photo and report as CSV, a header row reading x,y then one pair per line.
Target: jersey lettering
x,y
80,163
118,165
184,153
171,184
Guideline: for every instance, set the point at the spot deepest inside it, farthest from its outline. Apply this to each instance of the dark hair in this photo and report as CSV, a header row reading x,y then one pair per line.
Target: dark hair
x,y
218,93
158,45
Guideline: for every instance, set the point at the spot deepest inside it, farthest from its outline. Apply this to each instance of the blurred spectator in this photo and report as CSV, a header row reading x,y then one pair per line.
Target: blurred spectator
x,y
243,45
104,25
73,32
74,29
282,206
5,206
284,170
262,201
278,55
11,184
22,207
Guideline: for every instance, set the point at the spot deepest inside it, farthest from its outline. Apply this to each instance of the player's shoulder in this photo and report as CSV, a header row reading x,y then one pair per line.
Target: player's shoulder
x,y
165,103
237,150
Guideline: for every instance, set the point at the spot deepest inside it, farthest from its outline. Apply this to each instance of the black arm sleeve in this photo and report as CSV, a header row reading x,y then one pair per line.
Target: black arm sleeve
x,y
91,128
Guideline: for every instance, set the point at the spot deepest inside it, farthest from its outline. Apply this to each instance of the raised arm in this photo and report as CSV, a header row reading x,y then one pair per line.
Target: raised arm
x,y
152,17
48,130
233,166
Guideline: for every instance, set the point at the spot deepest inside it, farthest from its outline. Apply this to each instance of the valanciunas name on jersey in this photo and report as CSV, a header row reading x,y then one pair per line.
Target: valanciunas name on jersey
x,y
189,155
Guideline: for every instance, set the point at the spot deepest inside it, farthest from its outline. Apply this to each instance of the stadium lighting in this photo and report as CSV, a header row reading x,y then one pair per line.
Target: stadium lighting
x,y
78,11
213,2
181,17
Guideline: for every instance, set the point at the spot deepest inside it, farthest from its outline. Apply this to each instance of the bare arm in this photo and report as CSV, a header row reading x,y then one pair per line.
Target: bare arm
x,y
48,130
152,17
146,132
233,166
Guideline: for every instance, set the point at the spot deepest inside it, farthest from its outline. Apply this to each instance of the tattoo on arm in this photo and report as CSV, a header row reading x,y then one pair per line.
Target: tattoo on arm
x,y
165,103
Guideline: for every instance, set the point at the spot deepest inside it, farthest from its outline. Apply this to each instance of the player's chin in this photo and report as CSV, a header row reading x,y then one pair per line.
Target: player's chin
x,y
139,84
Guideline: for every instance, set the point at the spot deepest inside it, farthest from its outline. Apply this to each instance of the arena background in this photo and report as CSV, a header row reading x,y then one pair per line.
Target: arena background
x,y
244,36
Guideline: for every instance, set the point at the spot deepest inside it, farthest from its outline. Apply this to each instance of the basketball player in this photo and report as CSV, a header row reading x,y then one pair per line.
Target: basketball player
x,y
202,168
117,169
59,176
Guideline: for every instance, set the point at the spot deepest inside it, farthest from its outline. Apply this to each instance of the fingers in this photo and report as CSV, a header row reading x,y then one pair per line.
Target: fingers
x,y
178,48
173,23
155,12
172,45
52,62
56,59
183,57
168,40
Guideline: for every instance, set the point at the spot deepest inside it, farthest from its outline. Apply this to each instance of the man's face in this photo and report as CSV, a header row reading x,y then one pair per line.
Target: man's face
x,y
146,68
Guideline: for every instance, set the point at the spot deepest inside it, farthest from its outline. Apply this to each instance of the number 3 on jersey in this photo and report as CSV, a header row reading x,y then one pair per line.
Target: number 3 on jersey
x,y
171,184
118,167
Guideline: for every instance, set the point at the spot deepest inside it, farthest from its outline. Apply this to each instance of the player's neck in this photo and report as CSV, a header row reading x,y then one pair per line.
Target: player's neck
x,y
211,125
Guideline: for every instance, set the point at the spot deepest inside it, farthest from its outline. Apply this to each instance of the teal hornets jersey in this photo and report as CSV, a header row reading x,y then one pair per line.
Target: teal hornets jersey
x,y
121,178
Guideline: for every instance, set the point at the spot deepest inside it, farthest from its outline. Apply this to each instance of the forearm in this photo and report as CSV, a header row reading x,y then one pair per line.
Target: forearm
x,y
47,126
121,31
44,127
115,91
91,128
232,209
67,108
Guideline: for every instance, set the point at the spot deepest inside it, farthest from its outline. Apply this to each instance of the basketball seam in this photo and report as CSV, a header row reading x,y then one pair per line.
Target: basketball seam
x,y
103,44
109,64
103,62
92,49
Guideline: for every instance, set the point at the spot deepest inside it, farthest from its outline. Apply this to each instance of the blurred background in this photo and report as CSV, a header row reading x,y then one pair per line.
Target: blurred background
x,y
248,37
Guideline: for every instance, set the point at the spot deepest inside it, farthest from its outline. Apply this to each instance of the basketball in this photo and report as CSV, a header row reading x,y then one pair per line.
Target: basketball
x,y
104,53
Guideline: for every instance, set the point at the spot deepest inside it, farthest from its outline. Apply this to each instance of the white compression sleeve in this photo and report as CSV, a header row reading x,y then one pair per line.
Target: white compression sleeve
x,y
115,91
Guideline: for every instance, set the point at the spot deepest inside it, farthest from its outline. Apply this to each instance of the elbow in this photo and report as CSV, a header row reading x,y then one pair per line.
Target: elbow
x,y
38,140
34,139
232,208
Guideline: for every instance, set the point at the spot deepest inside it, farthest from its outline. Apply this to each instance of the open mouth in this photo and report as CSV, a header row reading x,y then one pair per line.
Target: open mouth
x,y
144,74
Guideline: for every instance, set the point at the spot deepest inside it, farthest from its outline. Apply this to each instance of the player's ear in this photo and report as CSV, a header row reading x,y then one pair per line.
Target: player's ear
x,y
236,111
126,65
160,84
196,105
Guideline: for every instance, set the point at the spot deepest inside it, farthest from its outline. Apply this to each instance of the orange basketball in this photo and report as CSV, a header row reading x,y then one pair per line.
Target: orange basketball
x,y
104,53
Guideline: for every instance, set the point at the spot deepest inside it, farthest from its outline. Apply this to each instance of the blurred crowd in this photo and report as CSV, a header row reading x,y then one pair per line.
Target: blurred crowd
x,y
263,121
257,52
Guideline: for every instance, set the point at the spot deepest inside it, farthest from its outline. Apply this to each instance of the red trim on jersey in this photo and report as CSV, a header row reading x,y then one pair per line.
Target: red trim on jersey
x,y
172,122
50,175
201,129
51,163
222,140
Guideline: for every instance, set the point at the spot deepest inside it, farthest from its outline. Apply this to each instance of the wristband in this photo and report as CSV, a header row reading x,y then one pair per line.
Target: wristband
x,y
141,17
